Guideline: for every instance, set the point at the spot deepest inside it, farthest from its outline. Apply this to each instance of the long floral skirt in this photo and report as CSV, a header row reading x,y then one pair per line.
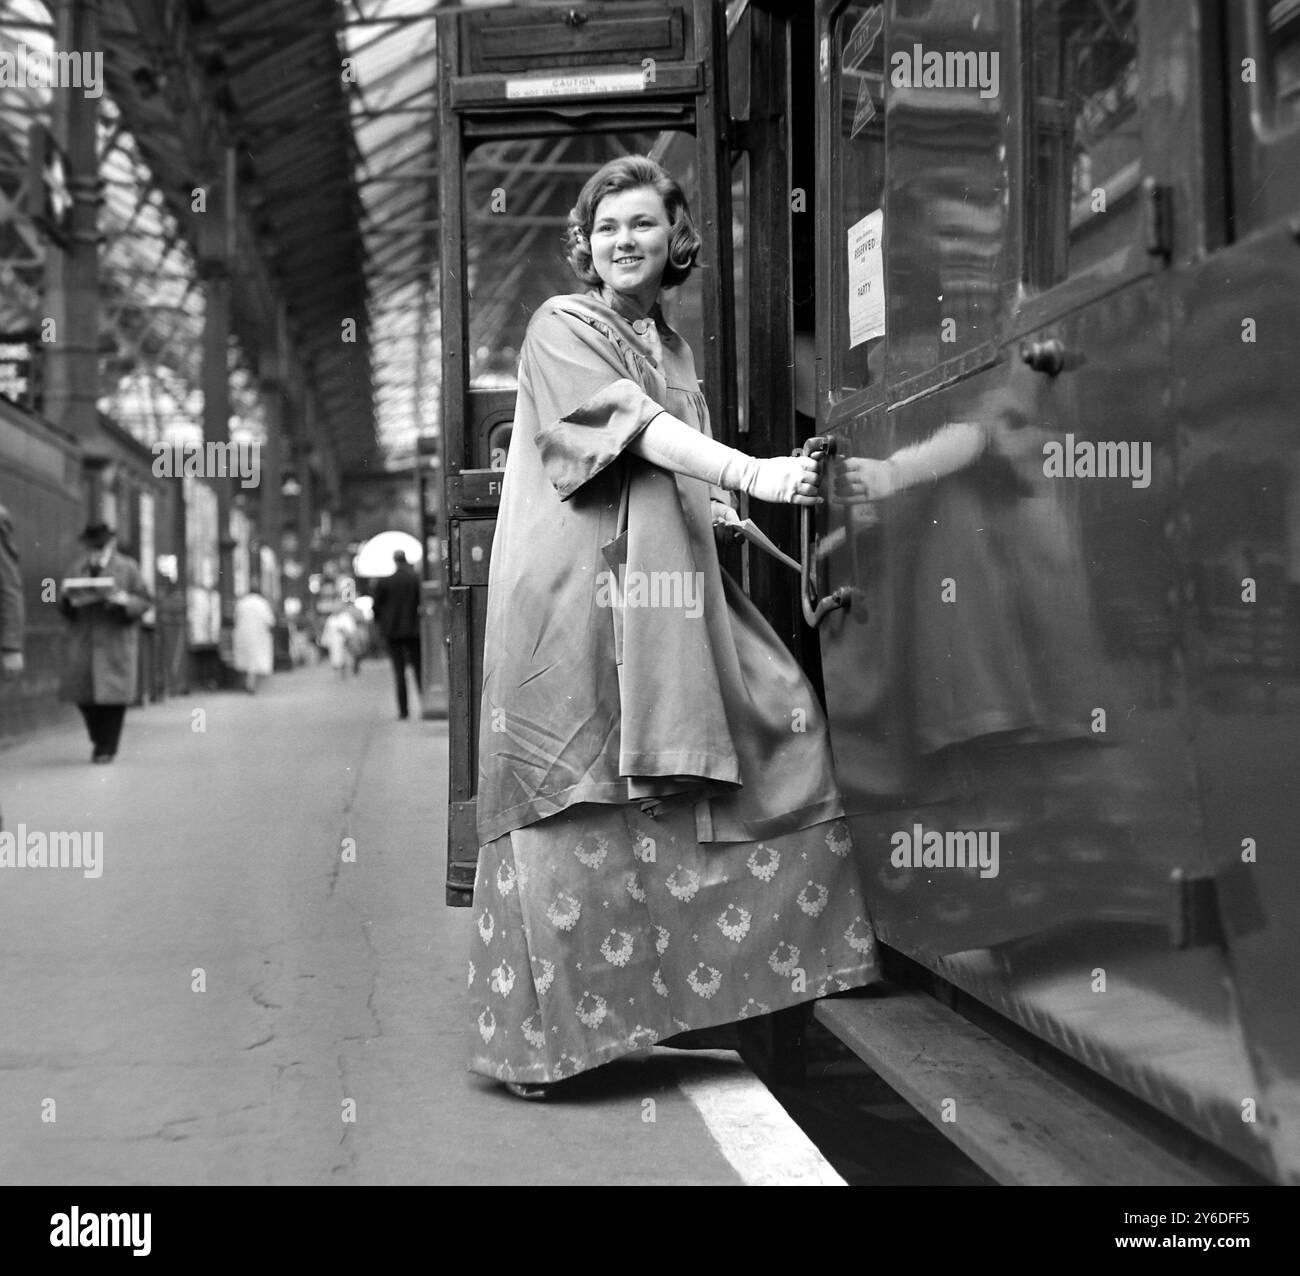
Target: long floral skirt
x,y
600,930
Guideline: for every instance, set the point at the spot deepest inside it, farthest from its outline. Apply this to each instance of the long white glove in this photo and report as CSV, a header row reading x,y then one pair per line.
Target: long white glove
x,y
673,445
951,448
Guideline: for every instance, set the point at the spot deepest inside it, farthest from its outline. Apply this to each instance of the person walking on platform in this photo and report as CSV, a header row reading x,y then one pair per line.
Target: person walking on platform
x,y
11,601
662,842
337,636
103,596
253,639
12,623
397,613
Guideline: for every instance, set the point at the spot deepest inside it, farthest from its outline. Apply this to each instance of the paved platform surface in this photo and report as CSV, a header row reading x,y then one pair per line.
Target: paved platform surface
x,y
324,981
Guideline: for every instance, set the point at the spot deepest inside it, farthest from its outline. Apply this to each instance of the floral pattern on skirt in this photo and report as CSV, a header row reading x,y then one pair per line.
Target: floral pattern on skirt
x,y
599,931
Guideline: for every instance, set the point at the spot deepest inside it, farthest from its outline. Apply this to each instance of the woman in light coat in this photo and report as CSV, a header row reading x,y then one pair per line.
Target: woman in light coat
x,y
662,842
254,649
338,636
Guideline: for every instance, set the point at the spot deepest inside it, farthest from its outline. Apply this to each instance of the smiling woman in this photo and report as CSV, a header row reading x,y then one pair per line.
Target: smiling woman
x,y
662,847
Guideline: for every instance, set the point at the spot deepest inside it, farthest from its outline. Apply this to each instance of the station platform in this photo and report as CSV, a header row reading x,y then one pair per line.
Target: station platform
x,y
223,822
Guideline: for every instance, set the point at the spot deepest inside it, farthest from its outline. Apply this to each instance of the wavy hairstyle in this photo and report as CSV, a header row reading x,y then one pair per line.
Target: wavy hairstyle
x,y
630,173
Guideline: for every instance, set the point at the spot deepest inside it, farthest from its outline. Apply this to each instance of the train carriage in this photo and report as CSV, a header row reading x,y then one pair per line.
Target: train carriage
x,y
1032,269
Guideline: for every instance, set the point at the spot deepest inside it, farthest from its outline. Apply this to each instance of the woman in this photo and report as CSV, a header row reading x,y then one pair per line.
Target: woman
x,y
337,636
254,639
661,841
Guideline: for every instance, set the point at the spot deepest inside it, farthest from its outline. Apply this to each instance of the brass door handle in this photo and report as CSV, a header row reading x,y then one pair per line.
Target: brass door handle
x,y
815,609
1044,356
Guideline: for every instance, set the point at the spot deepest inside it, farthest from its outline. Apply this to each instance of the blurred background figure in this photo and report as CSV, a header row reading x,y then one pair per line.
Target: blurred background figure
x,y
254,648
338,635
302,650
11,604
359,643
397,613
103,597
11,601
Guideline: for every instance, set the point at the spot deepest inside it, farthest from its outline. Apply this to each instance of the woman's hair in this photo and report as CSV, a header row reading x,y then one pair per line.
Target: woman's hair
x,y
631,173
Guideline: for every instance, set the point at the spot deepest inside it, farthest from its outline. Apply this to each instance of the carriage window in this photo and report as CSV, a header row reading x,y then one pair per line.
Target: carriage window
x,y
1085,143
946,188
741,271
1281,80
856,235
517,198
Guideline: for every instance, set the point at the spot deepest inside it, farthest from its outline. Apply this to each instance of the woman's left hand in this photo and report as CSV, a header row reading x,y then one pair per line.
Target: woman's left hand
x,y
725,520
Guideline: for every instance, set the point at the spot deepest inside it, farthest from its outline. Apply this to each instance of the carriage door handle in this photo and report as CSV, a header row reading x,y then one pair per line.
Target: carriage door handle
x,y
815,609
1044,356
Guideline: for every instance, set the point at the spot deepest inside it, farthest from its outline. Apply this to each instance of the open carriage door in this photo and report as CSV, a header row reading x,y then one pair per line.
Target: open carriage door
x,y
532,101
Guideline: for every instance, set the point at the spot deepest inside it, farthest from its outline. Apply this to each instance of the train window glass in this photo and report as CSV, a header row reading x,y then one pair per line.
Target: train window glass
x,y
684,306
945,202
1281,79
739,39
518,194
740,269
857,220
1084,153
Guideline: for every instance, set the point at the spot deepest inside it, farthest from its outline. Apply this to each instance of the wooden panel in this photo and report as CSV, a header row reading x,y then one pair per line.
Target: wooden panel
x,y
1014,1120
473,492
462,853
670,82
573,36
471,550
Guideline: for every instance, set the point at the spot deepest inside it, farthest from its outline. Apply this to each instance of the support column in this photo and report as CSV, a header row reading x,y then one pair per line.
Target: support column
x,y
306,525
71,357
216,426
271,516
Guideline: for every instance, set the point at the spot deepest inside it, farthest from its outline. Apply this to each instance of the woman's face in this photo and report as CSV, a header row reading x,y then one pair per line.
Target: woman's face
x,y
629,243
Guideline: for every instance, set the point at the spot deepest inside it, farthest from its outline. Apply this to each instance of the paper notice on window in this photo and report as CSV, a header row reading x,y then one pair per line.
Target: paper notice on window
x,y
866,280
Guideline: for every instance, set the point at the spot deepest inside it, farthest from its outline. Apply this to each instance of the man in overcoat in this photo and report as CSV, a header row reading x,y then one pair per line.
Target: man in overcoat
x,y
101,647
397,613
11,602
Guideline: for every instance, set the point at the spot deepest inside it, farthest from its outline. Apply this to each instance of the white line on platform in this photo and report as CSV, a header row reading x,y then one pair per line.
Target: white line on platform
x,y
753,1131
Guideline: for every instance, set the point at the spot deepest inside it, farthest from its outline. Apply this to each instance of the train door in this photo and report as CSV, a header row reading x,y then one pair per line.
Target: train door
x,y
1239,535
532,101
1006,191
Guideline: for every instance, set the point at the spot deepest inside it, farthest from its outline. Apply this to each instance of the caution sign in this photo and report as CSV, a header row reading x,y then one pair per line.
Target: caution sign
x,y
577,85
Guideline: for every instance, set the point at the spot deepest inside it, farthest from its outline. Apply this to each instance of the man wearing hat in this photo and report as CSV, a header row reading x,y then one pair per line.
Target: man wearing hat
x,y
397,612
101,650
11,603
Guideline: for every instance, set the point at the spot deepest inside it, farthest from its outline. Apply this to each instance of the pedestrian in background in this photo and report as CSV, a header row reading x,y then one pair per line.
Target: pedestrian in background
x,y
337,637
397,613
11,604
102,644
359,643
11,600
254,647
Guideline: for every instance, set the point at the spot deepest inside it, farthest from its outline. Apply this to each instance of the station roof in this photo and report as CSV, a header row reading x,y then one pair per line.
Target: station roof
x,y
326,113
262,78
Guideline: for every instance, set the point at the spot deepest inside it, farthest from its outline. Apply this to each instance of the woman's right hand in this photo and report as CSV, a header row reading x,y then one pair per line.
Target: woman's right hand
x,y
785,480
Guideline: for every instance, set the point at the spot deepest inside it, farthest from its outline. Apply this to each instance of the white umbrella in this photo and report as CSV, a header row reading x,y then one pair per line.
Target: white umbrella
x,y
375,557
